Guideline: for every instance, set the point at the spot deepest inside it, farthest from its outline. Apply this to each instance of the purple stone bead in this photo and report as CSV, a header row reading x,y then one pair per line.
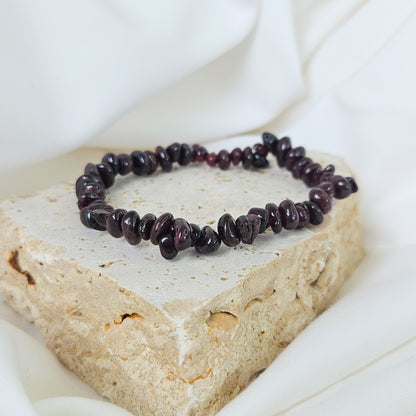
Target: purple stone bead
x,y
111,159
91,169
236,156
303,215
141,163
320,198
299,167
342,187
261,149
195,234
107,174
245,229
312,174
259,161
316,216
113,223
153,163
162,226
293,156
174,151
269,140
247,158
223,160
354,187
263,214
130,227
255,226
274,217
95,215
163,159
182,234
227,230
208,242
282,149
167,247
186,155
145,226
86,199
211,159
125,164
327,187
329,169
198,153
288,214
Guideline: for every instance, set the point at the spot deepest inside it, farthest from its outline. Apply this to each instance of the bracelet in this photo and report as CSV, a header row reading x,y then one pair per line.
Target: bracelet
x,y
176,234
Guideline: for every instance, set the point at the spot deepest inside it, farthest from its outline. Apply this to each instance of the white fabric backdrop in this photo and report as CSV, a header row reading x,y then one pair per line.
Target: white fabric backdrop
x,y
336,76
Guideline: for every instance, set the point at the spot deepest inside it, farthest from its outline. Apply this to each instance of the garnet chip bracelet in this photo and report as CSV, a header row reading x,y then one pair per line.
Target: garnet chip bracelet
x,y
176,234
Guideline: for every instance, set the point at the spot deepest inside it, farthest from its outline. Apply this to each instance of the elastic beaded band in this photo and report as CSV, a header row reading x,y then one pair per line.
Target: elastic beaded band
x,y
176,234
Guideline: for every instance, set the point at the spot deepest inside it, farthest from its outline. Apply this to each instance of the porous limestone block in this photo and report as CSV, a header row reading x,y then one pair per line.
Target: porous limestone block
x,y
177,337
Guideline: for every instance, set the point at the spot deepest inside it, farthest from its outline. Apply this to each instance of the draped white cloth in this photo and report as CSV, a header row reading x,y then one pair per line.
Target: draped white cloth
x,y
337,76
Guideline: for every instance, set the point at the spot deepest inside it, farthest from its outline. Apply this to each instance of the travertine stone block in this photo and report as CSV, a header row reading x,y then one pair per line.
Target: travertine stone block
x,y
177,337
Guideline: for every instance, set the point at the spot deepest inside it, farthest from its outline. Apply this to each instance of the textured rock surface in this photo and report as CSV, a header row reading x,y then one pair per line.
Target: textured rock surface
x,y
175,337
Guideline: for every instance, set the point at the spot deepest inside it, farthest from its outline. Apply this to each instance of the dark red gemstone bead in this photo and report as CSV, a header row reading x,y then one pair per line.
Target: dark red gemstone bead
x,y
125,164
321,198
342,187
263,214
186,155
312,174
282,149
163,159
261,149
211,159
91,169
153,163
223,159
247,158
227,230
303,215
255,226
145,226
288,214
208,242
269,140
236,156
111,159
299,166
162,226
326,177
113,223
90,187
316,216
95,215
174,151
198,153
182,234
274,217
259,161
167,247
107,174
329,169
354,187
141,163
130,227
86,199
245,229
293,156
327,187
195,234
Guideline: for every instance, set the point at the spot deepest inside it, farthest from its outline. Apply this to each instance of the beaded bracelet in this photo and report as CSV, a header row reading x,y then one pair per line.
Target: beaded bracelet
x,y
176,234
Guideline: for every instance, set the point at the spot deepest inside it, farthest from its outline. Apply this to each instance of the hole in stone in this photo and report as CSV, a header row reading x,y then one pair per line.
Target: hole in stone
x,y
14,262
133,315
222,321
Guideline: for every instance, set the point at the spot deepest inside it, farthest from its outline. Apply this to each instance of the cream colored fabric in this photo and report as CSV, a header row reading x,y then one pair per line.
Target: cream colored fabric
x,y
336,76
